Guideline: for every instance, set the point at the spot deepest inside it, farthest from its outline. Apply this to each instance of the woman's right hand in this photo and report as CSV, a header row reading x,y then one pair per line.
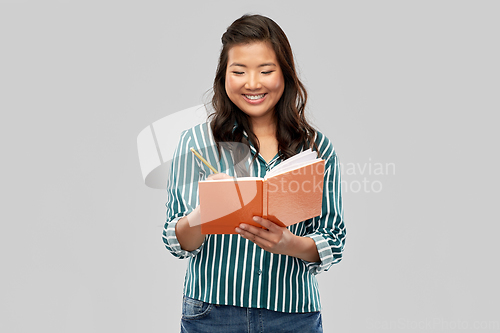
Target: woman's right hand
x,y
220,175
188,229
194,217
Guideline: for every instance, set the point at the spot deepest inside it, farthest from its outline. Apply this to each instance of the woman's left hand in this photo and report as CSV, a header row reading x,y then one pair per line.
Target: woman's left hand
x,y
273,238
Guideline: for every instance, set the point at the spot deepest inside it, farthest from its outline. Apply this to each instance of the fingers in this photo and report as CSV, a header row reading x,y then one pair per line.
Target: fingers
x,y
219,175
255,235
250,229
274,238
270,226
271,234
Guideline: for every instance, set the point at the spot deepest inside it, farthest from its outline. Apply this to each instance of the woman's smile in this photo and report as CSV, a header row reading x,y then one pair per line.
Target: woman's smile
x,y
254,99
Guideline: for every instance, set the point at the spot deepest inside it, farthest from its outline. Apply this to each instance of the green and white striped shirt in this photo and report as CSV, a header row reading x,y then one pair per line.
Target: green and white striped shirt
x,y
230,270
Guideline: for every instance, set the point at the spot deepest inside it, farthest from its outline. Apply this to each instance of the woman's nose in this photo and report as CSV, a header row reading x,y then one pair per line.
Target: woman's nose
x,y
253,82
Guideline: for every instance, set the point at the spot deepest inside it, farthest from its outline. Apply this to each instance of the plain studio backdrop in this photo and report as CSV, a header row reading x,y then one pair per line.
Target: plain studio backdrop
x,y
405,90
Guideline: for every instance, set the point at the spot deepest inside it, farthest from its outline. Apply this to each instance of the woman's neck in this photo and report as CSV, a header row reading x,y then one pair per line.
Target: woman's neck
x,y
265,131
264,128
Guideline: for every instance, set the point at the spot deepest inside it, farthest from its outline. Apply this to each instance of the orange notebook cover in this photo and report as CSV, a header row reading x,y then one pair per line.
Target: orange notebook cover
x,y
290,195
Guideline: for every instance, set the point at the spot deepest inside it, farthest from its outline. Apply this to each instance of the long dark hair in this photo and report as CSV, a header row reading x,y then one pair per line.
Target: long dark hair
x,y
292,129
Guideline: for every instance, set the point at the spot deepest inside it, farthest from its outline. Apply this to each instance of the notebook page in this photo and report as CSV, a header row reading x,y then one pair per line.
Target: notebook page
x,y
273,173
305,156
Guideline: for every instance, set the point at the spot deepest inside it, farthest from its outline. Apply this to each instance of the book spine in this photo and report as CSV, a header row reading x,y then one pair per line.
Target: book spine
x,y
264,199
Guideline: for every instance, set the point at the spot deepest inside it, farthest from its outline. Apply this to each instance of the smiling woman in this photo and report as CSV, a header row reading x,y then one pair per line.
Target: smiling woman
x,y
254,83
258,277
288,128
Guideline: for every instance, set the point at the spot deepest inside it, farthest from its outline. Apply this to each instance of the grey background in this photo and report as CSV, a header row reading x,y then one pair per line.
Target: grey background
x,y
413,84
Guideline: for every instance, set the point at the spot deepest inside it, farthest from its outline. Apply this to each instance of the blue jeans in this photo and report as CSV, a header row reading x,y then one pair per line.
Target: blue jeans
x,y
201,317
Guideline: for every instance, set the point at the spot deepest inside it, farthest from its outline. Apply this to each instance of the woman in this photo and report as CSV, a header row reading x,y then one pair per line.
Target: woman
x,y
260,279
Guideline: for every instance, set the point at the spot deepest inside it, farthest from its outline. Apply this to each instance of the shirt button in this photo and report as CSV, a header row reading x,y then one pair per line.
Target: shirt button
x,y
260,271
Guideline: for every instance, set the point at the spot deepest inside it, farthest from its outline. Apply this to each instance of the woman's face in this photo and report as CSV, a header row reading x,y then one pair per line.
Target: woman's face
x,y
254,81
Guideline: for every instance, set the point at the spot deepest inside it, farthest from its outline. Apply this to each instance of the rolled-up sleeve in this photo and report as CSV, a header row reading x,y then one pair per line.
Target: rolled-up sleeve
x,y
328,230
182,194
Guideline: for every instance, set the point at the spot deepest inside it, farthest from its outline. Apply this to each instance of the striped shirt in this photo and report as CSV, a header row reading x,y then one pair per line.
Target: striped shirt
x,y
230,270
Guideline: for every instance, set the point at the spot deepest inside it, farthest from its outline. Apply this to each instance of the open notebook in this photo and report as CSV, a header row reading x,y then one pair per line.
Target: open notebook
x,y
290,193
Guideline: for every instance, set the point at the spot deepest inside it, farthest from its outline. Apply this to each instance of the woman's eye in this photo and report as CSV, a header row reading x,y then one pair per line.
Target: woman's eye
x,y
238,73
267,72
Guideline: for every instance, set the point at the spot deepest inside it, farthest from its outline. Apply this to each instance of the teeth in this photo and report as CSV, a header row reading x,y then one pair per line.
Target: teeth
x,y
254,96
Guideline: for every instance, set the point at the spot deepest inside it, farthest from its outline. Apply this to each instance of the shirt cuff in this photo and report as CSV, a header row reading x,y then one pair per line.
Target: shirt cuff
x,y
325,254
172,243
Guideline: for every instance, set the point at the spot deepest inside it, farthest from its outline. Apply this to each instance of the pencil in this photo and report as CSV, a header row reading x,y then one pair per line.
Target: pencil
x,y
204,160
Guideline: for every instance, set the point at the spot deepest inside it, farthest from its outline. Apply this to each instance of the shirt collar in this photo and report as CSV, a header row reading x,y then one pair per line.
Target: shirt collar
x,y
252,148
